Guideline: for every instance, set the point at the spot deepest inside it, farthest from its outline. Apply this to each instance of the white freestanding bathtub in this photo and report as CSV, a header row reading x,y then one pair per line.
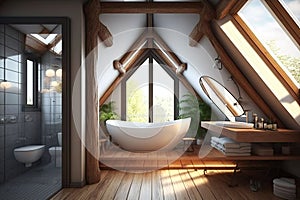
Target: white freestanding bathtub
x,y
143,137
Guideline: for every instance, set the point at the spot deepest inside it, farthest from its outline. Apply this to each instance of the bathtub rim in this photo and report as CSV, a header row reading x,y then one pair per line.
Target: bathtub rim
x,y
146,124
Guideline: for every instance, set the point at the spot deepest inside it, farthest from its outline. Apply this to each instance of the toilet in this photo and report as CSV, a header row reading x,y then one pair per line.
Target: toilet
x,y
56,151
29,154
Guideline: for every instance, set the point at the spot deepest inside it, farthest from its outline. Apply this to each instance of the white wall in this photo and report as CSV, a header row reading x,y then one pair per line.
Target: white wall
x,y
174,29
73,10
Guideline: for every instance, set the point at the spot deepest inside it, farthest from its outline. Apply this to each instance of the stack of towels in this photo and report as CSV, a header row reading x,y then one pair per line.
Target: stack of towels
x,y
230,147
284,188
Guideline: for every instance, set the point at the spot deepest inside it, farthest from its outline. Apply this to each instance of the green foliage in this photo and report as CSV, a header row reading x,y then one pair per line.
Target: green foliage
x,y
137,106
107,112
198,110
291,63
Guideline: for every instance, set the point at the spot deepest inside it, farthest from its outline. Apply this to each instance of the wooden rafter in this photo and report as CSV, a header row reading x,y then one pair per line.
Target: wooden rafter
x,y
35,45
224,7
151,7
148,41
198,32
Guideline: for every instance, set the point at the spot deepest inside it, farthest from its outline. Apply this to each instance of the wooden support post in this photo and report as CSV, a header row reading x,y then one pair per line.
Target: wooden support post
x,y
93,27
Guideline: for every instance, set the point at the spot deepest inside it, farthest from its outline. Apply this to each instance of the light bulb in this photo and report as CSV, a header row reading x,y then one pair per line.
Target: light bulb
x,y
5,84
54,83
59,73
50,73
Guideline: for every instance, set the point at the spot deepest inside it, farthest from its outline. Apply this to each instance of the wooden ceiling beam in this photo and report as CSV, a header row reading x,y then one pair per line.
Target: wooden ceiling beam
x,y
224,7
92,13
207,14
197,33
151,7
35,44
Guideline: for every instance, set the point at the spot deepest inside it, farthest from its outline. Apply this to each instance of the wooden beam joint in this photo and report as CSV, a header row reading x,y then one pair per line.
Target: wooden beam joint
x,y
94,26
118,66
206,16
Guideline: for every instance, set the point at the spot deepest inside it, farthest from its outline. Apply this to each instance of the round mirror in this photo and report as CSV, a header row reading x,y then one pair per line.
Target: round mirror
x,y
221,97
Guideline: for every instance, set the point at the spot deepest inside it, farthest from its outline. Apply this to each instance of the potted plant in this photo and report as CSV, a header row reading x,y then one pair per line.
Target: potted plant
x,y
107,112
198,110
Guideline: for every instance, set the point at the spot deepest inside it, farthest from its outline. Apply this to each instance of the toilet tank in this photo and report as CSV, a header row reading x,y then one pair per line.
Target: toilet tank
x,y
59,138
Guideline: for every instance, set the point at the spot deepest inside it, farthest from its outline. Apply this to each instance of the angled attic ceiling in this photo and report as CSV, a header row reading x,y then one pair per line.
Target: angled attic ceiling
x,y
40,38
206,27
148,42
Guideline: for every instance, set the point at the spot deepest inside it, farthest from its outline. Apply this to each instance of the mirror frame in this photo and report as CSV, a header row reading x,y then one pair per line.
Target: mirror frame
x,y
230,108
66,83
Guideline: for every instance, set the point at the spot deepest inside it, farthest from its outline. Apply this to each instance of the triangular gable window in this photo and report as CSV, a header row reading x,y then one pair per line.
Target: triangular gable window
x,y
150,87
149,77
149,92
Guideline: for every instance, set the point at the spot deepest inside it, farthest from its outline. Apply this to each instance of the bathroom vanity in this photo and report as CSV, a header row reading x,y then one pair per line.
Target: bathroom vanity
x,y
252,135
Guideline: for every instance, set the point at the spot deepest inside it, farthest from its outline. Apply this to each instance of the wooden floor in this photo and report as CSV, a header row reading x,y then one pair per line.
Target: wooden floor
x,y
170,184
115,158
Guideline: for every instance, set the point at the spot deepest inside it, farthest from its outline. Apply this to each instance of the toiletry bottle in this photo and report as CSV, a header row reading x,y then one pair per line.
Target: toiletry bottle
x,y
274,126
261,123
255,121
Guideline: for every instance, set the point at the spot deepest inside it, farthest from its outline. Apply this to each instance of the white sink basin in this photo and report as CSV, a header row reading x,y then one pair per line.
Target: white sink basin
x,y
234,124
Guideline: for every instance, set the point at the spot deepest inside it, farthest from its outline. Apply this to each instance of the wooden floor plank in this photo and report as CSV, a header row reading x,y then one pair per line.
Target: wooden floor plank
x,y
178,185
111,190
167,185
98,192
157,189
64,194
170,184
134,192
146,187
217,186
82,193
124,187
200,182
189,185
187,164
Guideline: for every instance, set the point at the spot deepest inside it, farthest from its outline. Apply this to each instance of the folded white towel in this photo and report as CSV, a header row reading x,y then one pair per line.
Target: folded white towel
x,y
284,195
231,153
284,190
229,143
285,182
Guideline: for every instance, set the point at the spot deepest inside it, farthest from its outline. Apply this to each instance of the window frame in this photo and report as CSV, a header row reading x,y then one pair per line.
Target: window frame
x,y
151,55
36,102
278,11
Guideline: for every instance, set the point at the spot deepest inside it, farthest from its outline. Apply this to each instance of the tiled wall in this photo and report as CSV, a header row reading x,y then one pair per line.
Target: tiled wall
x,y
17,128
51,101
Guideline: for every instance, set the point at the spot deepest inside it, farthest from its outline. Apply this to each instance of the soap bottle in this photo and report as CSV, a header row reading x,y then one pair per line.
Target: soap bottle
x,y
261,123
255,121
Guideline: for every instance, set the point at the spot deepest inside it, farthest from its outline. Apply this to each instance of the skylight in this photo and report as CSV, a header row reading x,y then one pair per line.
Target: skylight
x,y
57,48
273,37
293,8
45,38
261,69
